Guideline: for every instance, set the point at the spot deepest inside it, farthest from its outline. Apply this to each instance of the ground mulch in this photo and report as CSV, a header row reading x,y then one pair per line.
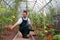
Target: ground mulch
x,y
8,35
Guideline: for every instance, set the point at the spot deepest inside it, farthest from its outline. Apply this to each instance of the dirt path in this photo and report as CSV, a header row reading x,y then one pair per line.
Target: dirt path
x,y
8,35
19,37
14,35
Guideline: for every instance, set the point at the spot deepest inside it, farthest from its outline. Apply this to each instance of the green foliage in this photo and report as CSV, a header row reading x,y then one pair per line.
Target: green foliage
x,y
37,19
34,19
50,16
52,31
39,34
41,19
17,1
2,10
56,37
8,16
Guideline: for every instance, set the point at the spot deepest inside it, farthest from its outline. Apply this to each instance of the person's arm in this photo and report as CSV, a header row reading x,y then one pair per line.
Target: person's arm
x,y
14,25
30,24
17,23
11,27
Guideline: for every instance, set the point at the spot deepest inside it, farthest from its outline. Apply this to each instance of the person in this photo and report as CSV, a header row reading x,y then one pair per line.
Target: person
x,y
24,24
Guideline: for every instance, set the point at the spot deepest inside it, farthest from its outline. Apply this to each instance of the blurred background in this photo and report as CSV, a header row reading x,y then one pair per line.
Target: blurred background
x,y
42,13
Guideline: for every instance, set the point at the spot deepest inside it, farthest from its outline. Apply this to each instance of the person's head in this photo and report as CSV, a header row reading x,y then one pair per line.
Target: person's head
x,y
24,14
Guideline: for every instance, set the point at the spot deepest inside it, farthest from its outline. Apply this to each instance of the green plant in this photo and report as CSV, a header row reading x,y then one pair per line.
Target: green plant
x,y
50,16
52,31
8,16
42,20
34,20
56,37
39,34
2,10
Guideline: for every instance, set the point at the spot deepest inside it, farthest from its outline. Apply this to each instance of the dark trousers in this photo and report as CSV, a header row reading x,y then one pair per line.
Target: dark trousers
x,y
25,32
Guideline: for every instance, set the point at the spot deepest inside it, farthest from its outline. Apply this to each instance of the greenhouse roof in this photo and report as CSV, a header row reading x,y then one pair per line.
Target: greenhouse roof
x,y
33,5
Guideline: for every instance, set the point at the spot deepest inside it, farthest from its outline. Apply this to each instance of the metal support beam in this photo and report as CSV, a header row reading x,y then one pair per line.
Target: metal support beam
x,y
7,4
34,5
45,5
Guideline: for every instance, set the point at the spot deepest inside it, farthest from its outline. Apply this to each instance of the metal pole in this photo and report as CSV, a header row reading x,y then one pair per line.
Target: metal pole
x,y
45,5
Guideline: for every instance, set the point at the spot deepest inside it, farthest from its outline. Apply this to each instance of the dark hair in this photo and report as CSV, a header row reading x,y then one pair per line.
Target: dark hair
x,y
25,11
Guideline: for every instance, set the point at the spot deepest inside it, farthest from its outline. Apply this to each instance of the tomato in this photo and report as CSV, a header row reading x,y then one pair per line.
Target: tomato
x,y
9,28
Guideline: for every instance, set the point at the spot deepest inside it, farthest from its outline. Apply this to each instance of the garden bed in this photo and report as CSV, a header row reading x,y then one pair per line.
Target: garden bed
x,y
8,35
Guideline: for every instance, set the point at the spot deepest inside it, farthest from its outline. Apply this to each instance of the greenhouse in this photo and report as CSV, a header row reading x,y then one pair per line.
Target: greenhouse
x,y
42,15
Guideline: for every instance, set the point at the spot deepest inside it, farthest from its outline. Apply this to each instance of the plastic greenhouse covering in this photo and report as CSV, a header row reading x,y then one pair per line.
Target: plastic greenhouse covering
x,y
44,14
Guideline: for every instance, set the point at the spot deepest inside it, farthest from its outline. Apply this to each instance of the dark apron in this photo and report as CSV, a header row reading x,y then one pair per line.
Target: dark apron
x,y
24,27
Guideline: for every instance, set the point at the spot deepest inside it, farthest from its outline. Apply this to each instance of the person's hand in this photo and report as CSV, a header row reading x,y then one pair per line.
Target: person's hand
x,y
9,28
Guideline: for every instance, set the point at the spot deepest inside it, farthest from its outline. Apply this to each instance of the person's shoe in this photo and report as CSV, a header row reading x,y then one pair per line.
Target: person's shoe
x,y
25,37
33,35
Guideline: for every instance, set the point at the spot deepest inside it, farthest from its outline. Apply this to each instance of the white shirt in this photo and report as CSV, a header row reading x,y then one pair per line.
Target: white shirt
x,y
20,20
